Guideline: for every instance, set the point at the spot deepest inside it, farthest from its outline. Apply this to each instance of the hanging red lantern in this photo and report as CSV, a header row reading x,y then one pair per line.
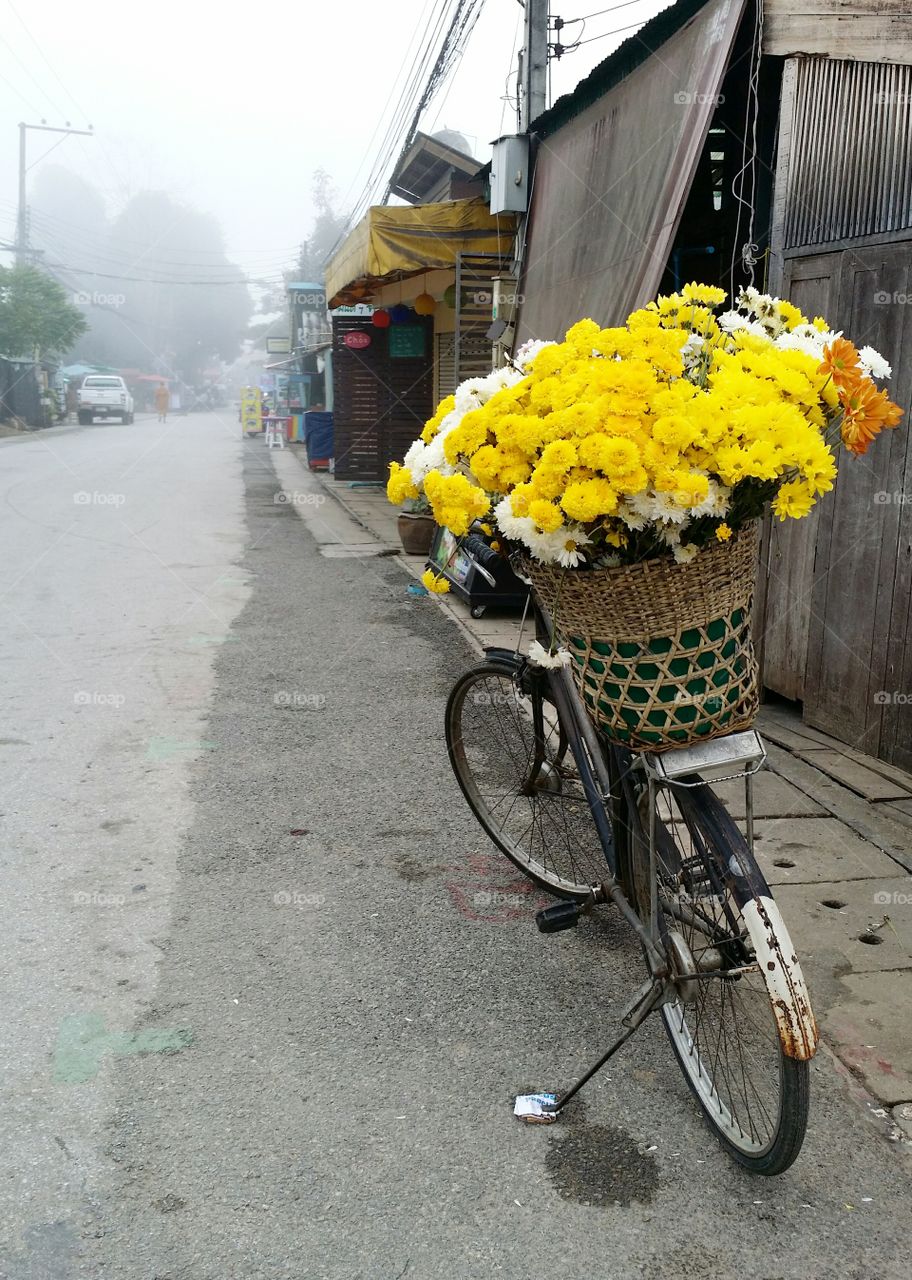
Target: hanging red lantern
x,y
425,305
381,319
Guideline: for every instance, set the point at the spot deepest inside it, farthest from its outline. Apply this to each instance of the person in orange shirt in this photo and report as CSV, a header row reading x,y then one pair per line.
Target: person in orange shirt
x,y
162,401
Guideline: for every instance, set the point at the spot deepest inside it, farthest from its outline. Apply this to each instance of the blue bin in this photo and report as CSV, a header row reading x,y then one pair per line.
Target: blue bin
x,y
318,438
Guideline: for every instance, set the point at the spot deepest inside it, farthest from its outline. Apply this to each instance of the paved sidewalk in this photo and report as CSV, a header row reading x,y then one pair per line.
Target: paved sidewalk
x,y
834,837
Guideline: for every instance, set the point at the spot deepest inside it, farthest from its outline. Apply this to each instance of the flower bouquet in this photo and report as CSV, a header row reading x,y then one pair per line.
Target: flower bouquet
x,y
639,459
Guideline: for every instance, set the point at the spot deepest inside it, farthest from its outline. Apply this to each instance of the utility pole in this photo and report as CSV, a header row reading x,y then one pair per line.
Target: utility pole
x,y
533,75
22,229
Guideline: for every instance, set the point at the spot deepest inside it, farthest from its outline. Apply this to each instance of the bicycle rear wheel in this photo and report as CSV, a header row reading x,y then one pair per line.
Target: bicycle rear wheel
x,y
741,1027
512,761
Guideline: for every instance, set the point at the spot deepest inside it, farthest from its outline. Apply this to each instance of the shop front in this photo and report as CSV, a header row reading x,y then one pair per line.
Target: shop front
x,y
409,294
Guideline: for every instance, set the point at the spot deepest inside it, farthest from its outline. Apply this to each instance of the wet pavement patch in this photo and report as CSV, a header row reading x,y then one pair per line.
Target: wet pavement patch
x,y
601,1165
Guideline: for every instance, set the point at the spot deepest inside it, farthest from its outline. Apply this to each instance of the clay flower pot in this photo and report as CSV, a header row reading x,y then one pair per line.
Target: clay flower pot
x,y
416,532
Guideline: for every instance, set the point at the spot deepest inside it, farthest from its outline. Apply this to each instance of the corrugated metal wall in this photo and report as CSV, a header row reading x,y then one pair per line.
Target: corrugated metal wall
x,y
850,172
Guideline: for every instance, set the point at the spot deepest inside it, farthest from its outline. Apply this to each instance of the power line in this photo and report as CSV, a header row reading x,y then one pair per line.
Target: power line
x,y
19,94
73,237
404,107
634,26
104,151
624,4
389,98
460,29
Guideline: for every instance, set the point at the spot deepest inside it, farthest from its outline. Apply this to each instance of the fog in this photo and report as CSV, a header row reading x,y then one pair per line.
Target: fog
x,y
230,112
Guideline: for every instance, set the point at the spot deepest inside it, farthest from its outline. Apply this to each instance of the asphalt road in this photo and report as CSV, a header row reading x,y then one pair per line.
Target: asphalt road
x,y
267,991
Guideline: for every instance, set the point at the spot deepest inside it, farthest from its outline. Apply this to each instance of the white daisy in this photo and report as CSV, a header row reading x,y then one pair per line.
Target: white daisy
x,y
529,350
670,534
873,363
798,340
683,552
539,656
716,502
573,539
667,509
631,517
734,322
516,528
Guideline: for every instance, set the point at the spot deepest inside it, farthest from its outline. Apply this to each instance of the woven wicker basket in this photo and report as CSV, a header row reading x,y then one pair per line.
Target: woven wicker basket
x,y
662,652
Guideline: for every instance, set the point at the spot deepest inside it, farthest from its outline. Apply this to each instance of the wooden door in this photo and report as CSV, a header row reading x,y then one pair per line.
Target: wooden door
x,y
859,665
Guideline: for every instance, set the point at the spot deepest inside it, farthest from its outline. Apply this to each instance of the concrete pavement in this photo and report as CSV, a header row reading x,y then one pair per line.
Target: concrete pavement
x,y
834,838
267,990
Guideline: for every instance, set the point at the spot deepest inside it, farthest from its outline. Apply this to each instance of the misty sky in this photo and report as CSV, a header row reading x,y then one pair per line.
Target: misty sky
x,y
232,110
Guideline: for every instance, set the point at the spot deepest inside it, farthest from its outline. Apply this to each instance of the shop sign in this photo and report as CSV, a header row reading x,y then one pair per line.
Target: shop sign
x,y
357,339
406,341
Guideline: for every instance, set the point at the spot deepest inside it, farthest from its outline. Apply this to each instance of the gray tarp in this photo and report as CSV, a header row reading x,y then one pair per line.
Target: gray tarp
x,y
610,183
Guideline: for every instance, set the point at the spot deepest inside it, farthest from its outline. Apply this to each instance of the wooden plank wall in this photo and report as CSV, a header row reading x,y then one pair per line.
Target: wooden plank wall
x,y
863,30
380,404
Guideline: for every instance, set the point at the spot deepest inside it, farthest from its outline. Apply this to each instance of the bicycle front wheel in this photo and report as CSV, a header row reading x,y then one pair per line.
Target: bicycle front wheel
x,y
741,1026
512,761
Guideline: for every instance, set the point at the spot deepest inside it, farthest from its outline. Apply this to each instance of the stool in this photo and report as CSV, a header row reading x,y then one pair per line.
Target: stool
x,y
275,432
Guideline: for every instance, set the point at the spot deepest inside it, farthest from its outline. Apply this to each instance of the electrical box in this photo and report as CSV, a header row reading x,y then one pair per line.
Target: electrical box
x,y
504,299
510,174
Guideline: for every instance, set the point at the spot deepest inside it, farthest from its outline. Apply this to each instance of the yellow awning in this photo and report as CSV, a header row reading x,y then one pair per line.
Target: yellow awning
x,y
392,242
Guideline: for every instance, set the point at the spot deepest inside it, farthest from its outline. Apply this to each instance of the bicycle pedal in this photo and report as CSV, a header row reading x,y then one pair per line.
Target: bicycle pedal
x,y
565,915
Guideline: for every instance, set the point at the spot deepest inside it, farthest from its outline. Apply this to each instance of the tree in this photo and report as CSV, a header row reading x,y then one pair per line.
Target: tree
x,y
36,314
327,228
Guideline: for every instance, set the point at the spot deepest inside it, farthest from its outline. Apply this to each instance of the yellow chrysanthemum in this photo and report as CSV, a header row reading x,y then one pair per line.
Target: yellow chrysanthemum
x,y
435,582
707,294
586,500
793,501
455,501
546,515
400,486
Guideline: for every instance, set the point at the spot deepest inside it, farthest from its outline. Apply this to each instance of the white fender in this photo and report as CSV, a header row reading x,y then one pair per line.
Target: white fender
x,y
783,977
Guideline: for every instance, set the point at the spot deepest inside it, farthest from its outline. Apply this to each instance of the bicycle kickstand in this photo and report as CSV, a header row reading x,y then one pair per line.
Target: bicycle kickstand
x,y
544,1108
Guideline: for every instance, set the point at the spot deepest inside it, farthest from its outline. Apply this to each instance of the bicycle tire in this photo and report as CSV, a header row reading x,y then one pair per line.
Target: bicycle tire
x,y
553,840
727,919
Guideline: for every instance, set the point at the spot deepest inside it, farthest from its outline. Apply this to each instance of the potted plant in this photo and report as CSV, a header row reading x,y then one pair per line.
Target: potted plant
x,y
416,526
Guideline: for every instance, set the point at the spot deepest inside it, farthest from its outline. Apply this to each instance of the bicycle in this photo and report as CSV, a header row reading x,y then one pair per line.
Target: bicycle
x,y
562,801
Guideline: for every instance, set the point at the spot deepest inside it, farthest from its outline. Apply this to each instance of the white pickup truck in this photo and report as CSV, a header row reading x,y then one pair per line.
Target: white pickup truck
x,y
103,395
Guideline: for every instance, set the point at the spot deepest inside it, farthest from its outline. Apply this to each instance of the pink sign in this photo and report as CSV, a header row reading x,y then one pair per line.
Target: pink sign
x,y
357,339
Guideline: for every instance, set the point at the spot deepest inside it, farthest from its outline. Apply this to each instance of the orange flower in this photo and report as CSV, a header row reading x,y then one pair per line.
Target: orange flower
x,y
867,411
840,361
